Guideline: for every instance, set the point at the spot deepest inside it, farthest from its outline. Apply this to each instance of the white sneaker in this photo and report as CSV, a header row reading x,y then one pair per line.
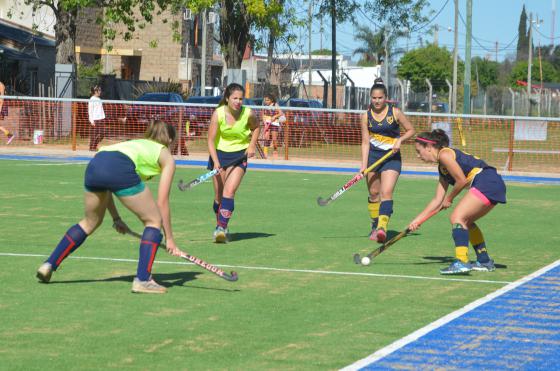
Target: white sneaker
x,y
44,272
147,287
221,235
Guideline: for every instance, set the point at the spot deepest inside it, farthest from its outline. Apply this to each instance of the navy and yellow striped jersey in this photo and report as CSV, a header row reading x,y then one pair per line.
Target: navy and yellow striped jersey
x,y
471,165
383,134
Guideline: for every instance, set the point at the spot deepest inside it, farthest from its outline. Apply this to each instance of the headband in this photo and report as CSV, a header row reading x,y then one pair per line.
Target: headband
x,y
425,140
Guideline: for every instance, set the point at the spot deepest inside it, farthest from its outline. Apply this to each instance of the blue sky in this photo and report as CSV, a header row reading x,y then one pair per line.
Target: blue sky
x,y
493,21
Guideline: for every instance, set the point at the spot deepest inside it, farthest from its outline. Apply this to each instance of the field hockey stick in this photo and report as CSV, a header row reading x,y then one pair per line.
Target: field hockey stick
x,y
193,259
324,202
204,177
392,241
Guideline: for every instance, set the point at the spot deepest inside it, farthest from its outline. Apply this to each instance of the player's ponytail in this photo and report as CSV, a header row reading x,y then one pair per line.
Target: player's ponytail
x,y
378,85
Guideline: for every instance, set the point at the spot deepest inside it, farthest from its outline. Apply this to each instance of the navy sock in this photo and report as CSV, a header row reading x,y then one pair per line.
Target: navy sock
x,y
151,239
386,208
385,212
216,207
481,253
73,238
226,209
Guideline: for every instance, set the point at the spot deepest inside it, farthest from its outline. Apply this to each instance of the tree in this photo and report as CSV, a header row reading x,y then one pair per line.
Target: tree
x,y
373,47
519,73
403,14
486,71
523,38
431,62
130,13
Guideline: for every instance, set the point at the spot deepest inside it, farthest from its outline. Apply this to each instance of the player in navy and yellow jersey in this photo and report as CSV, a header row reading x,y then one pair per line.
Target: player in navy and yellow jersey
x,y
381,132
461,170
121,169
232,137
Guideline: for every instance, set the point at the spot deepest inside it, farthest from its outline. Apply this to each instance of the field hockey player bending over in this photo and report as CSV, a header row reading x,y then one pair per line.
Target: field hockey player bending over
x,y
461,170
232,138
121,169
380,134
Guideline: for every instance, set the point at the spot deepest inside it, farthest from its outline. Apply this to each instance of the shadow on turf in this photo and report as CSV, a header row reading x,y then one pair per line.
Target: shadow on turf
x,y
390,234
449,260
248,235
164,279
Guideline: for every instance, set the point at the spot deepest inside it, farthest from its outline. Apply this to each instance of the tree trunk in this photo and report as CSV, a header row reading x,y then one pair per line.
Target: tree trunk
x,y
65,34
235,26
270,52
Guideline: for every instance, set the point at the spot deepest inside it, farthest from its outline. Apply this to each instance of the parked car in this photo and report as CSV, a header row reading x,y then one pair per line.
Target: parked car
x,y
437,107
199,116
138,115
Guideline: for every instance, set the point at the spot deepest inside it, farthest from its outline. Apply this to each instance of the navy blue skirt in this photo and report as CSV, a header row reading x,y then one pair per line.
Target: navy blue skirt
x,y
392,163
491,185
112,171
228,159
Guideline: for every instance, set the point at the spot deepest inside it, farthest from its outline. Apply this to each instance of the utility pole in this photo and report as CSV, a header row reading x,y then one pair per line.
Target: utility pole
x,y
321,33
310,30
530,60
455,52
386,60
467,80
436,29
203,56
552,26
333,58
496,52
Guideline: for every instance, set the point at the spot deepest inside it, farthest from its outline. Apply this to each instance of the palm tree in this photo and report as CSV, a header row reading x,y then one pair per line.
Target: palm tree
x,y
373,44
373,47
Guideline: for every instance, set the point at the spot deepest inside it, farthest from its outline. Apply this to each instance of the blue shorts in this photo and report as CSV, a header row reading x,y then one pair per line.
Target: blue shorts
x,y
490,184
115,172
392,163
228,159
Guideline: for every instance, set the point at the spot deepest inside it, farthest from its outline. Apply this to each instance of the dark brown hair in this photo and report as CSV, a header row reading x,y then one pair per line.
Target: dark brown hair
x,y
378,85
436,138
271,97
229,91
95,88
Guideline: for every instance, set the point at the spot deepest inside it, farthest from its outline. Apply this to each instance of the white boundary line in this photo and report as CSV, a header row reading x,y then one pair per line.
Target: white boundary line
x,y
446,319
276,269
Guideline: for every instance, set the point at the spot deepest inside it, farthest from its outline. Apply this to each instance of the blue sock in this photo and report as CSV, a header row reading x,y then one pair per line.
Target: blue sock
x,y
73,238
386,208
151,239
460,235
216,207
226,209
385,212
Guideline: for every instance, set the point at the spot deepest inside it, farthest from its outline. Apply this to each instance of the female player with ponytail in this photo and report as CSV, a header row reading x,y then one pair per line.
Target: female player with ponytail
x,y
485,189
121,169
232,138
380,134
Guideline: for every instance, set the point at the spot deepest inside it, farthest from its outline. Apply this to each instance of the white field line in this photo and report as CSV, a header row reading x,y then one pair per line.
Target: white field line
x,y
51,163
276,269
446,319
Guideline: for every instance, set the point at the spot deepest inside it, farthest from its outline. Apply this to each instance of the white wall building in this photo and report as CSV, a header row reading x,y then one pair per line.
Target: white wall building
x,y
15,11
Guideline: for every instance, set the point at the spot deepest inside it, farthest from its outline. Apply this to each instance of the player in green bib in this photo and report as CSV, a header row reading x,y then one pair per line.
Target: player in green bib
x,y
232,138
121,169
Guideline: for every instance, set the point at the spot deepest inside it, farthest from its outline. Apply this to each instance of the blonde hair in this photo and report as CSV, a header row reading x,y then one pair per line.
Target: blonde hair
x,y
161,132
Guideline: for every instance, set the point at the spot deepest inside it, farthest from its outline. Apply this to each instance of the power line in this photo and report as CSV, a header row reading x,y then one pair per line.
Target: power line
x,y
547,37
431,20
